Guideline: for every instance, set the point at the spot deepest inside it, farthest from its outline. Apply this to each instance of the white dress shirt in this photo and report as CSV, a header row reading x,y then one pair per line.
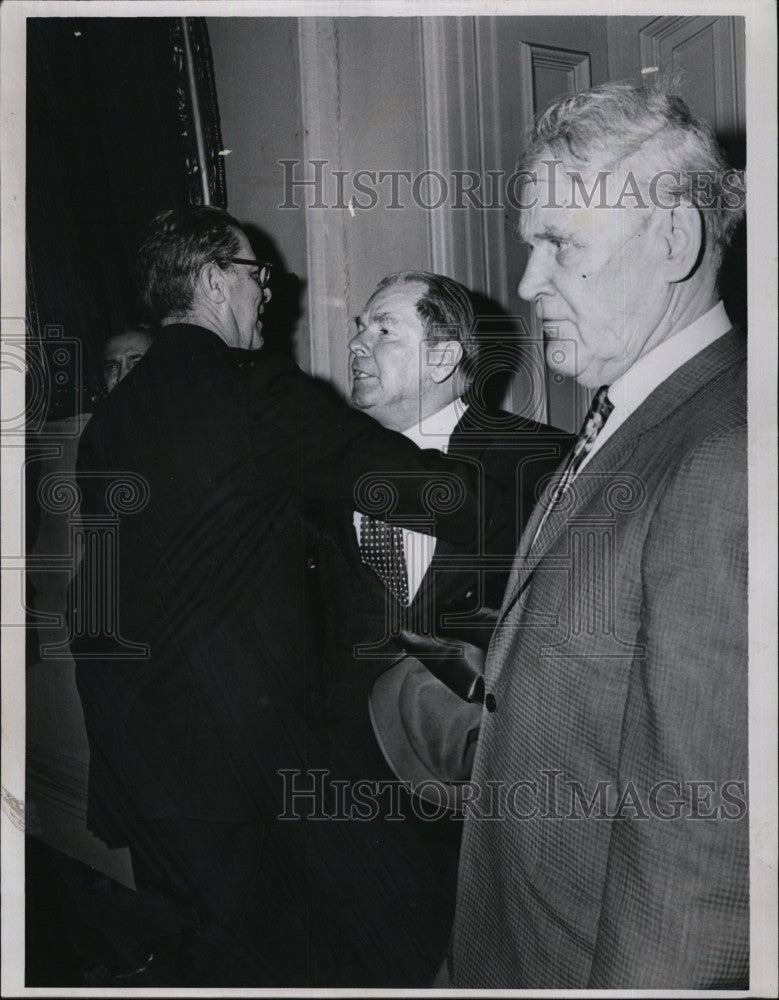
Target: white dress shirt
x,y
630,390
431,432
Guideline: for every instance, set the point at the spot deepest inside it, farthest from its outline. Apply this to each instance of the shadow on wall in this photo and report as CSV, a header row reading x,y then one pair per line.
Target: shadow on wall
x,y
285,308
506,376
732,280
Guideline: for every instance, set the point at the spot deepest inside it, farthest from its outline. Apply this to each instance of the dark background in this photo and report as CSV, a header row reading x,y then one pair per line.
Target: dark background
x,y
104,154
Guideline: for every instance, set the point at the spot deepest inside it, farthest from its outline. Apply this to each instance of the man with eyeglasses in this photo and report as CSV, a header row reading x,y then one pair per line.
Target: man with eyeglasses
x,y
197,659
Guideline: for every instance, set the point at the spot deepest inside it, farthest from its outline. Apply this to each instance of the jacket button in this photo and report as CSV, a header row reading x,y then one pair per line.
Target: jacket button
x,y
310,563
489,702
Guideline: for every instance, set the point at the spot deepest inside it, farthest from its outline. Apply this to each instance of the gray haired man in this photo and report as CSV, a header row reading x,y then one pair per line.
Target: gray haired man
x,y
607,842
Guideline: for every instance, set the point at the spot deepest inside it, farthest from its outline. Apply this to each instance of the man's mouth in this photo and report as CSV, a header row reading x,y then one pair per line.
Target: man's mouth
x,y
358,375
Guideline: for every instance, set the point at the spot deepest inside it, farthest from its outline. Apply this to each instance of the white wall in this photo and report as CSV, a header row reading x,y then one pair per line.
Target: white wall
x,y
368,111
257,75
406,94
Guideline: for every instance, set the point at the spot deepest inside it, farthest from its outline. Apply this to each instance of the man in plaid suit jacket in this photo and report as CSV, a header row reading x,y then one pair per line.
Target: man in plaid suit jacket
x,y
612,762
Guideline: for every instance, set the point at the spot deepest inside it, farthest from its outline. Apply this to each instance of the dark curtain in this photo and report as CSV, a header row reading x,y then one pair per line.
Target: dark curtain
x,y
109,144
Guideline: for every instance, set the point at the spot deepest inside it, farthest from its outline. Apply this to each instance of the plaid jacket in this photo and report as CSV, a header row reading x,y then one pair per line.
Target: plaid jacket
x,y
606,845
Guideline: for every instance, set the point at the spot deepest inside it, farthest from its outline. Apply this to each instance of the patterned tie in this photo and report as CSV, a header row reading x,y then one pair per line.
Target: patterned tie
x,y
381,548
597,415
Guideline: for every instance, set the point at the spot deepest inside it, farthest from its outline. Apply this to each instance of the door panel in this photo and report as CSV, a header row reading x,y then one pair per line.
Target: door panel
x,y
708,56
541,59
485,78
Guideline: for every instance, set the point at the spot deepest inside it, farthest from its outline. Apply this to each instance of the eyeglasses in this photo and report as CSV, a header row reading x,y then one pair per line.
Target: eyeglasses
x,y
262,277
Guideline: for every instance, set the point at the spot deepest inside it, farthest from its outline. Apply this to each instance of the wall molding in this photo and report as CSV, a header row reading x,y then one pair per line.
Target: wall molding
x,y
493,233
328,277
462,129
664,39
575,66
659,41
651,37
560,394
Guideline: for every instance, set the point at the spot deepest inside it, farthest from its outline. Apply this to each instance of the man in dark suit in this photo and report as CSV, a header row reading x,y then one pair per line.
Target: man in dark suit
x,y
197,661
414,364
613,745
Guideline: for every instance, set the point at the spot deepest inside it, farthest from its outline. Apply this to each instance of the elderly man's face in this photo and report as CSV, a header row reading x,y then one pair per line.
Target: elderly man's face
x,y
121,354
389,370
592,277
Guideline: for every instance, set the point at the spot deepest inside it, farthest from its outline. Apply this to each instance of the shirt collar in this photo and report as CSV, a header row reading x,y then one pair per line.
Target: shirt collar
x,y
630,390
434,431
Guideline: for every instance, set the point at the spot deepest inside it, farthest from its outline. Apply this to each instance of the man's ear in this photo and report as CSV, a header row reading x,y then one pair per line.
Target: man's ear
x,y
212,281
442,357
684,235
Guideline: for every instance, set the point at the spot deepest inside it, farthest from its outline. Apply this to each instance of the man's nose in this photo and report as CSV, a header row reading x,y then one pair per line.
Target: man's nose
x,y
124,367
358,345
535,279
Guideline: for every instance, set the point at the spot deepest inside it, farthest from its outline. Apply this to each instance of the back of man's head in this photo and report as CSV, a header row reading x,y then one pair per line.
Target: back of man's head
x,y
601,128
178,243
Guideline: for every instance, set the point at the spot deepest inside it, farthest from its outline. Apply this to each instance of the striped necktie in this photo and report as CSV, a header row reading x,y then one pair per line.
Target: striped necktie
x,y
381,548
597,415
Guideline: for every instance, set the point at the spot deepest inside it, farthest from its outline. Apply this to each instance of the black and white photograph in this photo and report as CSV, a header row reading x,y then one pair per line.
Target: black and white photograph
x,y
389,501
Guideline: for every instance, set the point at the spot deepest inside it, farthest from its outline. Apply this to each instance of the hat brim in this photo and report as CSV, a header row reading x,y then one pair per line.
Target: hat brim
x,y
392,732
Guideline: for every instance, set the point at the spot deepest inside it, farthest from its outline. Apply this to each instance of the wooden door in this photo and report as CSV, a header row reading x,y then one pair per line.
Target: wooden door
x,y
542,58
707,55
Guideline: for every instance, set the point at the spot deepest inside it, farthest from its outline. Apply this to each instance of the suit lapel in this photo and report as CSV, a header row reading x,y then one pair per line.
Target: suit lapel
x,y
709,364
469,441
350,542
605,464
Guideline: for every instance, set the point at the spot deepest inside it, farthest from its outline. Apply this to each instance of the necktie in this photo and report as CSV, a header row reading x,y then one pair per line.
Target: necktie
x,y
597,415
381,548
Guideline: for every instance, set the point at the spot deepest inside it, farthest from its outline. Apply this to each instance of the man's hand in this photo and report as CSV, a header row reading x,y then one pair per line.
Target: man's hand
x,y
456,659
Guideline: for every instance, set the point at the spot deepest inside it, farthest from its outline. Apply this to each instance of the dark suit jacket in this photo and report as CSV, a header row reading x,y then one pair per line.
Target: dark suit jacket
x,y
402,928
219,449
619,677
511,458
